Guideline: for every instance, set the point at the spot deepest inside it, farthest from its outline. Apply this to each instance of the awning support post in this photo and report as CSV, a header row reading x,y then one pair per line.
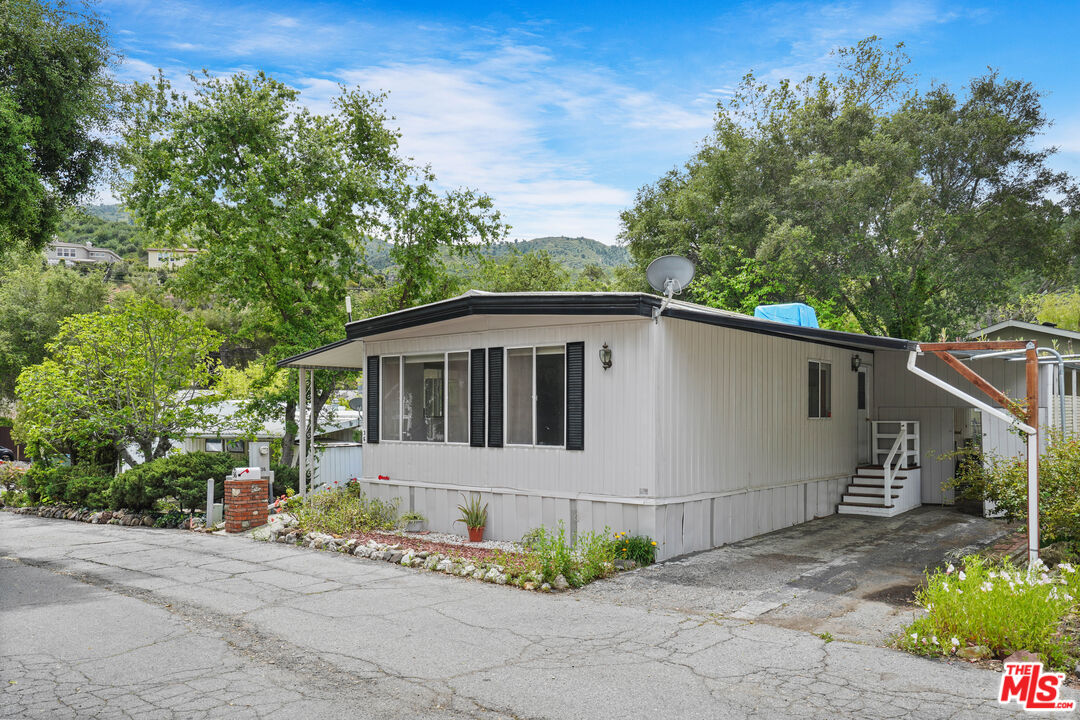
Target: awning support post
x,y
301,410
1028,422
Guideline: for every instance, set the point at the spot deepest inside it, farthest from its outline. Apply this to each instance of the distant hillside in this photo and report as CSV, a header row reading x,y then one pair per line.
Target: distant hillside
x,y
573,253
109,226
105,226
112,213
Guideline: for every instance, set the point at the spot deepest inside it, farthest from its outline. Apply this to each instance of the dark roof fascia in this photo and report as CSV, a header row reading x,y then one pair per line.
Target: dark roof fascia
x,y
819,336
639,305
292,361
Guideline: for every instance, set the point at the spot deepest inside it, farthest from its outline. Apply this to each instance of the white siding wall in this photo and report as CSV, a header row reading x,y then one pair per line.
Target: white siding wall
x,y
733,412
738,454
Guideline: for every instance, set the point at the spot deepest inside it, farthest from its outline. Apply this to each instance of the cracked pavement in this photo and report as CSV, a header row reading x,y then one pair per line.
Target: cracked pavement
x,y
112,622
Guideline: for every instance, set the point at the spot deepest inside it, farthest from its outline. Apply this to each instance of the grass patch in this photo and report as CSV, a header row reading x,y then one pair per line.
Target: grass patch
x,y
999,606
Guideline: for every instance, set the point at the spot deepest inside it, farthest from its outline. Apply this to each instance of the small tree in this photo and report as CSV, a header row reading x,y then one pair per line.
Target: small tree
x,y
33,301
127,376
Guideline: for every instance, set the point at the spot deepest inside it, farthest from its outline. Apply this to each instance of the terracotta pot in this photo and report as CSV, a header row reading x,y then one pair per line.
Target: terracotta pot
x,y
476,534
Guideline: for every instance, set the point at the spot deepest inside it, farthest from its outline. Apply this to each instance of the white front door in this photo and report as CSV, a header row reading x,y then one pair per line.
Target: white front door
x,y
864,400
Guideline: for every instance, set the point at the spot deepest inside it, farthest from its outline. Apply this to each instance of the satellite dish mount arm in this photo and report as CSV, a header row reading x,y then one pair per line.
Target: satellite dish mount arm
x,y
671,288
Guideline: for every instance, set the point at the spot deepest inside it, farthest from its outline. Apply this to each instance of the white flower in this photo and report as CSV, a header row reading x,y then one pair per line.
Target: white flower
x,y
992,575
986,587
945,587
955,642
934,640
1066,567
962,576
949,570
929,607
915,637
959,591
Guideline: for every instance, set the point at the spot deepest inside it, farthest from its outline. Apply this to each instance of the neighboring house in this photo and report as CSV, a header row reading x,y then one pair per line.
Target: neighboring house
x,y
336,440
169,258
1067,344
78,253
698,429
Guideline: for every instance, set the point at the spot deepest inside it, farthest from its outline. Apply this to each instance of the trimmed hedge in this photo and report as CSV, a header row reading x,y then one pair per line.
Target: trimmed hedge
x,y
82,485
178,476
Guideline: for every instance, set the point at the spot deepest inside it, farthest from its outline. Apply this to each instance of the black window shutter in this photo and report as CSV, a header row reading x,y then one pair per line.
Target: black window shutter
x,y
495,397
371,407
575,396
477,372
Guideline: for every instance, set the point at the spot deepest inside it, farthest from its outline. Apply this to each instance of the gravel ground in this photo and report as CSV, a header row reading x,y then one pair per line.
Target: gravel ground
x,y
442,542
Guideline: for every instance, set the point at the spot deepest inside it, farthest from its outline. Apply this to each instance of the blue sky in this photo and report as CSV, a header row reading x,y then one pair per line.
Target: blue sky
x,y
561,112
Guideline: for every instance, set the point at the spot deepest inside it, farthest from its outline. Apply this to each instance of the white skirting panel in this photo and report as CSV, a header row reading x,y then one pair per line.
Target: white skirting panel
x,y
678,526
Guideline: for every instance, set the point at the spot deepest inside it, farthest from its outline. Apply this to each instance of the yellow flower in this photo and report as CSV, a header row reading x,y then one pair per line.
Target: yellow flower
x,y
654,543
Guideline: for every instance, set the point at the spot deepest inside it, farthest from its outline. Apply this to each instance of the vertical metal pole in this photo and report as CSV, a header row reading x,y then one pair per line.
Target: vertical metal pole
x,y
311,428
301,410
1075,414
209,503
1033,452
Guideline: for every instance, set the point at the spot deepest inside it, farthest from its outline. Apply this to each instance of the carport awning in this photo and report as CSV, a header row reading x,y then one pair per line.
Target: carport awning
x,y
341,355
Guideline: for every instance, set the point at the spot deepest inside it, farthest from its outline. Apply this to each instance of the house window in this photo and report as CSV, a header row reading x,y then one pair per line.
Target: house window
x,y
425,398
65,252
820,384
235,446
536,396
862,390
215,445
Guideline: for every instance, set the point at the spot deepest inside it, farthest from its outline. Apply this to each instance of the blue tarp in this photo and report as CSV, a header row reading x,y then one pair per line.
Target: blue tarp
x,y
790,313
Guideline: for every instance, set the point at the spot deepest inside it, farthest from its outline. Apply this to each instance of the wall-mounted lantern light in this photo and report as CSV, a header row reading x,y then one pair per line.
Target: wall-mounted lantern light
x,y
856,363
605,356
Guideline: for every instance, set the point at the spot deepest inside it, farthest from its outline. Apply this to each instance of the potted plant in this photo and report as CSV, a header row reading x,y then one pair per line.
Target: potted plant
x,y
412,522
474,515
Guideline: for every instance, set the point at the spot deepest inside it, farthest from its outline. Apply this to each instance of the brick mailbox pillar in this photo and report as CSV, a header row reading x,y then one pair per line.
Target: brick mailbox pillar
x,y
245,503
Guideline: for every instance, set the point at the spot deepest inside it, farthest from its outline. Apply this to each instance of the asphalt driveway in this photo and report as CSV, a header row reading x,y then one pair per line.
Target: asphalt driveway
x,y
103,621
850,576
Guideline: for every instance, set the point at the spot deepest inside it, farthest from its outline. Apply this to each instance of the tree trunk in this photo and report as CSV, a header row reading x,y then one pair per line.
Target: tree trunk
x,y
288,456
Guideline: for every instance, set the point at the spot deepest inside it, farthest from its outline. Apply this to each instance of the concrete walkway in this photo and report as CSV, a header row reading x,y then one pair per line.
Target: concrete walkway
x,y
850,576
102,621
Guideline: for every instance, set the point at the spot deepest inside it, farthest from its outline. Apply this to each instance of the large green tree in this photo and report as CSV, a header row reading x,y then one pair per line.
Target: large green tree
x,y
56,104
33,301
281,201
129,376
906,212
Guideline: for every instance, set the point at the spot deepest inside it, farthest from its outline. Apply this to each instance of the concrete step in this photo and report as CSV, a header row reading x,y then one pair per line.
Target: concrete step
x,y
846,508
860,498
877,490
878,470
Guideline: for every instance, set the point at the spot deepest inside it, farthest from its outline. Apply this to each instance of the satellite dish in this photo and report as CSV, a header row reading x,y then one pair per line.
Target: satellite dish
x,y
357,404
669,274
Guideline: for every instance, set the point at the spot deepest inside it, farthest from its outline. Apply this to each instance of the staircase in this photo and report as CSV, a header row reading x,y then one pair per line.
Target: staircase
x,y
894,486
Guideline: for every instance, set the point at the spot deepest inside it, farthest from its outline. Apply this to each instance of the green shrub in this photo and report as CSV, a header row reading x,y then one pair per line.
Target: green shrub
x,y
1004,482
345,510
181,477
89,488
999,607
84,485
639,548
590,558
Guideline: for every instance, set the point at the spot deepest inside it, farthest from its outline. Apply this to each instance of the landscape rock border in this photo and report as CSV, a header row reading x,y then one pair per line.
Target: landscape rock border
x,y
284,528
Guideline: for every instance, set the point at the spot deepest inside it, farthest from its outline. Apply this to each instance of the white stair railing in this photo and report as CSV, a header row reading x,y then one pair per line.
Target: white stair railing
x,y
895,455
